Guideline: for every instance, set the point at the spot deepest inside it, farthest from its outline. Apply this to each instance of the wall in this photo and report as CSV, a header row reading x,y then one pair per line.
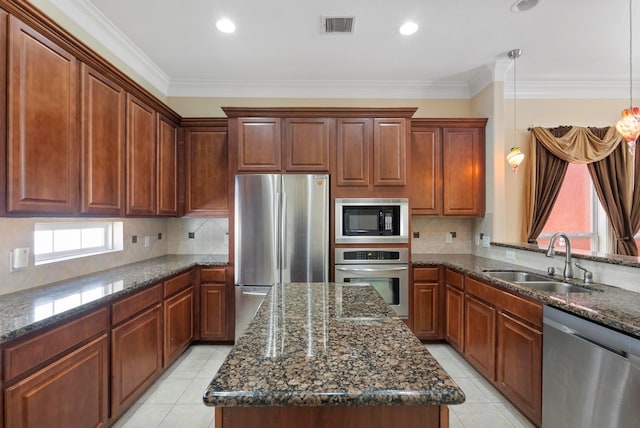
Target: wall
x,y
18,233
433,232
211,107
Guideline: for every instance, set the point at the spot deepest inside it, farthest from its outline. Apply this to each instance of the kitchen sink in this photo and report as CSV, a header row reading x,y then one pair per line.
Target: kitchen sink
x,y
517,276
555,287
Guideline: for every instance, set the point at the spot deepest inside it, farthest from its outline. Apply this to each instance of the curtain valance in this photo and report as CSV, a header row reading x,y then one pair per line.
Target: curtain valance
x,y
579,145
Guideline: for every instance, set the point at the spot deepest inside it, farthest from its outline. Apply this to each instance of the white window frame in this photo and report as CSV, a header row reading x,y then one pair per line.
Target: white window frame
x,y
113,240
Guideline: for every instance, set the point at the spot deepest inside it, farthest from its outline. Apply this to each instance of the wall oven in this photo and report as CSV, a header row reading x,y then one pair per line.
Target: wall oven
x,y
372,220
386,269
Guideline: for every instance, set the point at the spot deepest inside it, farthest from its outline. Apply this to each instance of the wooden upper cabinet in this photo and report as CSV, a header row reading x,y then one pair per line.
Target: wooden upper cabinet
x,y
141,158
43,142
447,167
463,166
4,16
259,144
167,167
426,181
389,152
353,146
207,171
102,164
307,142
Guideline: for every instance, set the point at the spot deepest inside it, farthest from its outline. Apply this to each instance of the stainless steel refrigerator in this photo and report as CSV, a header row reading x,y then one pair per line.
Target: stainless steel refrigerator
x,y
281,235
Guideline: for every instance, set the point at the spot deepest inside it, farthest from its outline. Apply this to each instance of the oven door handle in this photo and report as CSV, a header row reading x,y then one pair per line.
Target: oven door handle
x,y
346,269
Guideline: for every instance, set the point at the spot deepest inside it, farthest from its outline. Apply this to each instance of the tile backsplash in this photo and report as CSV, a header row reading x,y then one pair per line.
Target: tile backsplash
x,y
211,237
433,235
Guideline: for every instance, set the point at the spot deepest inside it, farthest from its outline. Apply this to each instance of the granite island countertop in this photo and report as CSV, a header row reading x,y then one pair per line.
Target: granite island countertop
x,y
613,307
326,344
28,310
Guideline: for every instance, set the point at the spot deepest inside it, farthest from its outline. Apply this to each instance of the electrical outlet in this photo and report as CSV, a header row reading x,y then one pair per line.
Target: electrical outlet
x,y
147,241
192,235
486,241
416,235
511,255
448,238
134,239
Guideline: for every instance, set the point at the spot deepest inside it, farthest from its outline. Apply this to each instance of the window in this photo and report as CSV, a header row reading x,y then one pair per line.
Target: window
x,y
54,242
578,213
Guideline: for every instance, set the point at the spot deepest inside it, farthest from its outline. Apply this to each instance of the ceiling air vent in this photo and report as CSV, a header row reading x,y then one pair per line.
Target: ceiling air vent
x,y
338,24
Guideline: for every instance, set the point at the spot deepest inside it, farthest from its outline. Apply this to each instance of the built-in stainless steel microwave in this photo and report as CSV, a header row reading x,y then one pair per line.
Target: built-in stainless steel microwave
x,y
372,220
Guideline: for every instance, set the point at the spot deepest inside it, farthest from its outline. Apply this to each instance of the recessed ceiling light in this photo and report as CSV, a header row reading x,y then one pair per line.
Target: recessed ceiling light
x,y
523,5
225,25
408,28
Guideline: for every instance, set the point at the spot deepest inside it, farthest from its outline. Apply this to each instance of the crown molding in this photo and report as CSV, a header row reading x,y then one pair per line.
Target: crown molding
x,y
585,89
91,20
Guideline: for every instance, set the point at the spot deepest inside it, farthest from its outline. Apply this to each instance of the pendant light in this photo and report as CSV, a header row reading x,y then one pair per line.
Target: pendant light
x,y
515,156
629,125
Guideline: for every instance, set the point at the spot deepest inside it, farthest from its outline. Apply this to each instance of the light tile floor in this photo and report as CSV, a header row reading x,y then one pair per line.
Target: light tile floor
x,y
175,400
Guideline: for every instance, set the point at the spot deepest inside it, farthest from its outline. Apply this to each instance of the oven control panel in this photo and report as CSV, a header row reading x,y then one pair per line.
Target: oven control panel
x,y
370,255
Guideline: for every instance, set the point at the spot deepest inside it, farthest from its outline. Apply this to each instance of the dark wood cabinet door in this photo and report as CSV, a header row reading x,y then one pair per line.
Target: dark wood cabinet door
x,y
519,365
167,167
102,165
4,22
136,358
71,392
389,152
426,175
178,324
454,303
480,336
426,313
353,151
43,143
463,171
259,144
207,171
213,312
307,142
141,158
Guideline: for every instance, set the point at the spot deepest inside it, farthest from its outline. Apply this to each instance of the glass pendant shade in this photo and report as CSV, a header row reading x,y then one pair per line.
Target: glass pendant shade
x,y
629,126
515,158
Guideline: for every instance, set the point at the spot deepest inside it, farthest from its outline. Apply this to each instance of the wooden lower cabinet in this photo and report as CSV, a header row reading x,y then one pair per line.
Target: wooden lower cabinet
x,y
480,336
213,312
519,365
136,357
178,324
425,320
454,308
70,392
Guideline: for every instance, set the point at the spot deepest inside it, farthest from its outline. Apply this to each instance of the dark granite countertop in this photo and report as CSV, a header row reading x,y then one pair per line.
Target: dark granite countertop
x,y
25,311
320,344
610,306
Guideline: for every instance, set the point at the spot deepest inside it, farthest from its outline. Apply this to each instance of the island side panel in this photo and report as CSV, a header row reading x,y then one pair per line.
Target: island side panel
x,y
332,416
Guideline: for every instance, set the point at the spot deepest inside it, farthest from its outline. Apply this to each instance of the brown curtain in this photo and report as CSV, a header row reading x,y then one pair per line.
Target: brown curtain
x,y
547,172
613,179
611,168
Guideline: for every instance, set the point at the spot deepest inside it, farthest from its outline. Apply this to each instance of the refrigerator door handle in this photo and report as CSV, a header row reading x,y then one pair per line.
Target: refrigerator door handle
x,y
276,242
284,229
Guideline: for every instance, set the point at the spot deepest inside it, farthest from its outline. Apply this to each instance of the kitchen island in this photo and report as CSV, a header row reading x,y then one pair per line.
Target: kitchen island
x,y
324,354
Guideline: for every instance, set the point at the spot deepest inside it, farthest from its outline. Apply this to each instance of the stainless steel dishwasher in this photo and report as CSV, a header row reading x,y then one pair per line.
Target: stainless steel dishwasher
x,y
591,374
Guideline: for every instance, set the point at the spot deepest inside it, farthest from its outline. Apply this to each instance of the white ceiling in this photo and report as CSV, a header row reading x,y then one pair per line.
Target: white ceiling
x,y
575,47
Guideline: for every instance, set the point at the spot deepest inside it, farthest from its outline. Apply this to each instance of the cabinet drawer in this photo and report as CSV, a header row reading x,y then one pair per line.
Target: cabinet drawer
x,y
426,274
525,309
177,283
130,306
455,279
213,275
33,352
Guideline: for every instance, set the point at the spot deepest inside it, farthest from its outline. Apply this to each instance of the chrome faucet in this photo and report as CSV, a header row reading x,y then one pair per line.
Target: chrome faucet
x,y
568,268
